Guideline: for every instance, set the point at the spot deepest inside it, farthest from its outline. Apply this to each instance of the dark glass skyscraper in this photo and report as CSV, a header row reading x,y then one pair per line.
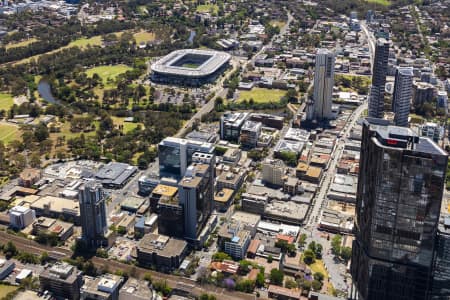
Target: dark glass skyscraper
x,y
380,68
402,96
441,271
400,187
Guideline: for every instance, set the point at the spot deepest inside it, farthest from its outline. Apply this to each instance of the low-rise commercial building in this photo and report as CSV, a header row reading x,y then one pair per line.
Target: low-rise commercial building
x,y
162,192
255,204
234,240
49,226
250,133
132,204
146,184
161,251
29,177
62,280
115,175
232,179
104,287
309,173
135,289
287,212
20,217
231,124
282,293
223,199
56,207
6,268
232,156
268,120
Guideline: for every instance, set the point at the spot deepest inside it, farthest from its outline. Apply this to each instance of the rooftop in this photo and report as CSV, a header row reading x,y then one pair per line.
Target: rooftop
x,y
246,218
162,245
132,203
223,195
251,126
56,204
402,137
137,289
165,190
179,62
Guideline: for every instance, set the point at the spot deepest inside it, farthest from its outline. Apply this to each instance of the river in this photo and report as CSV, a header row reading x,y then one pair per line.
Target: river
x,y
45,91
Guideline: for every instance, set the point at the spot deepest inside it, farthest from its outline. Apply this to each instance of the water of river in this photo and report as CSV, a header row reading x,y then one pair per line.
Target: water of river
x,y
45,91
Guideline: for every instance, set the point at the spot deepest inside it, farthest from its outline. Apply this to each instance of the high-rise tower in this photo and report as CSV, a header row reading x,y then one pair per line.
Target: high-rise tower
x,y
196,194
380,68
93,214
323,84
400,188
401,99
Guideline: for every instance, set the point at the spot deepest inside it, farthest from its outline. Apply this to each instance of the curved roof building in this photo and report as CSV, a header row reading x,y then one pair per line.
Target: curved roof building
x,y
190,67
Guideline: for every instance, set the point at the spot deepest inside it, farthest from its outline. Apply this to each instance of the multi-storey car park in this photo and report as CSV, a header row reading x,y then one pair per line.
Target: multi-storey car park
x,y
191,67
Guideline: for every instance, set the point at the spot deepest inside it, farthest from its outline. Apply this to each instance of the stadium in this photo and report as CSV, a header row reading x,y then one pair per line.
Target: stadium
x,y
190,67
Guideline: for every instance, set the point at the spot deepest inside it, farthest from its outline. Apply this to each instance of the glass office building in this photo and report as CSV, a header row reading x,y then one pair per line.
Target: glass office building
x,y
175,155
400,188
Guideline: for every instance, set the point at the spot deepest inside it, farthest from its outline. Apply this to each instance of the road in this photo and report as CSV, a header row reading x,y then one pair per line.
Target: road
x,y
57,253
370,39
329,175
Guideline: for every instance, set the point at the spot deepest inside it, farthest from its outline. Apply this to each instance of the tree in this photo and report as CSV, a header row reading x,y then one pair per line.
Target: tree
x,y
346,253
244,266
35,160
308,257
276,277
306,285
260,279
10,249
162,287
316,285
41,132
101,253
221,256
290,284
205,296
269,258
319,276
302,240
44,258
336,242
246,286
290,158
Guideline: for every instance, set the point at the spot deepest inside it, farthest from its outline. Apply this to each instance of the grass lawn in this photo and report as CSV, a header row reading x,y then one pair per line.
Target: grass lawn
x,y
381,2
318,266
127,126
6,289
204,8
262,95
6,101
9,132
144,36
106,72
20,44
84,42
